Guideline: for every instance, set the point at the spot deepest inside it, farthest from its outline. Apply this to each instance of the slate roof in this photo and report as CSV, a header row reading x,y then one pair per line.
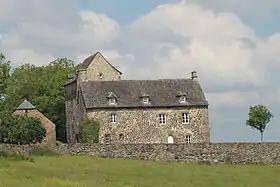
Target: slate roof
x,y
162,93
89,59
26,105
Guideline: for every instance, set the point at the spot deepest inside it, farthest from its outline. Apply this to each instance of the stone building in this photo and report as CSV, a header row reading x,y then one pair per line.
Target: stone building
x,y
135,111
27,109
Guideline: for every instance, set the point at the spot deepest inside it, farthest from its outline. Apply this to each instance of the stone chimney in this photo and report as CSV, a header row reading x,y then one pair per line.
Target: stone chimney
x,y
193,75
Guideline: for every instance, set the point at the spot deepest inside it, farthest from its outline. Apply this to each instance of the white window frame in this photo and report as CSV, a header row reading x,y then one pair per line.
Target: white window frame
x,y
113,118
145,100
188,139
112,100
162,118
182,99
185,118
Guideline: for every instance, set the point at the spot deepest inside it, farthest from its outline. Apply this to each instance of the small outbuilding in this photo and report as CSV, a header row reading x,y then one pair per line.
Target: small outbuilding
x,y
27,109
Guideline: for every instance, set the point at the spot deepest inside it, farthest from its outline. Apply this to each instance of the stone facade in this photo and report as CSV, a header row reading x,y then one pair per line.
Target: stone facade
x,y
135,122
98,70
50,138
231,153
140,126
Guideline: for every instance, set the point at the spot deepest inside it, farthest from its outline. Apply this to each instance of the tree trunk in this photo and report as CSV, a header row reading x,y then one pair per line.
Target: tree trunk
x,y
261,136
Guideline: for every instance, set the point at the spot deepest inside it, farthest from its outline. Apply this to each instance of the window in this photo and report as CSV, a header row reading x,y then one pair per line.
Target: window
x,y
185,118
121,137
112,100
188,139
100,75
162,118
113,118
107,139
182,99
145,100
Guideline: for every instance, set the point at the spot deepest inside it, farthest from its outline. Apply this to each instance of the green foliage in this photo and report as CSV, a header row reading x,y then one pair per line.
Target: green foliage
x,y
89,171
16,129
4,75
43,87
259,117
15,156
42,151
4,72
89,130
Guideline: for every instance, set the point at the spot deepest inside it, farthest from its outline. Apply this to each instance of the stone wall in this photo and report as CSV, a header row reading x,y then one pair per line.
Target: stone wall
x,y
237,153
99,70
134,126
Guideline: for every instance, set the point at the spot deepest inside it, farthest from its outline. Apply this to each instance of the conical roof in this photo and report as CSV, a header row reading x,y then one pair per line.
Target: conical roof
x,y
25,105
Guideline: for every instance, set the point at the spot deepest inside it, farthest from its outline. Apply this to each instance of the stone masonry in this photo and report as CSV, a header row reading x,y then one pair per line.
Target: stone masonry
x,y
214,153
97,69
96,82
139,126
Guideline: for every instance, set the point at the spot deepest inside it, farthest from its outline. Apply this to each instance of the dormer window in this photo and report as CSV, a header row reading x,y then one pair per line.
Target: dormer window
x,y
112,98
112,101
182,97
145,98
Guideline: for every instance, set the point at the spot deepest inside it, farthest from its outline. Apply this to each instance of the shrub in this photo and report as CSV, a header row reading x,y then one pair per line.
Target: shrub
x,y
15,156
89,130
42,151
16,129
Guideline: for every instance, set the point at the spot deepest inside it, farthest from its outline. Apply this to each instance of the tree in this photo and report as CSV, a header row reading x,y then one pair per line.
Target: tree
x,y
89,130
16,129
259,117
4,75
43,87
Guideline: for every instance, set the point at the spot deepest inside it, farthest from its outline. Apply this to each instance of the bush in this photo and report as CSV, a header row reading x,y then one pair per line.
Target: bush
x,y
15,129
42,151
89,131
15,156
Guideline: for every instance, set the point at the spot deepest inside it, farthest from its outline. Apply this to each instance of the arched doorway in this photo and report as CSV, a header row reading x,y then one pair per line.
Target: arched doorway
x,y
170,139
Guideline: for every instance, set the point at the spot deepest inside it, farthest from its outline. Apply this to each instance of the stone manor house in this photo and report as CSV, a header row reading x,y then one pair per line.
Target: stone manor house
x,y
135,111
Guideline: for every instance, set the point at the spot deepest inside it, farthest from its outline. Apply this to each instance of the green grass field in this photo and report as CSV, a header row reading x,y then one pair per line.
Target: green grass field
x,y
96,172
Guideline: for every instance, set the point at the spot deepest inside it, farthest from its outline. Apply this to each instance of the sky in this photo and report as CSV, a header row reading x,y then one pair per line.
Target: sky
x,y
234,45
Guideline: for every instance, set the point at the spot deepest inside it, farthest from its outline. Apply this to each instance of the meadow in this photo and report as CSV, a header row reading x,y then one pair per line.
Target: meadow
x,y
83,171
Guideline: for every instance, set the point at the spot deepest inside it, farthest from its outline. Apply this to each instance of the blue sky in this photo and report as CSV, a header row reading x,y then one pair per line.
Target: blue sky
x,y
234,46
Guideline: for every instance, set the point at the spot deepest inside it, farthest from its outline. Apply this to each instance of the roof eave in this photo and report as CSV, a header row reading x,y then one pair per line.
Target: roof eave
x,y
148,106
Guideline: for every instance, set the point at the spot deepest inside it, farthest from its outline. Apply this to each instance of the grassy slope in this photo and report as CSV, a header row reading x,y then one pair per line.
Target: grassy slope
x,y
89,171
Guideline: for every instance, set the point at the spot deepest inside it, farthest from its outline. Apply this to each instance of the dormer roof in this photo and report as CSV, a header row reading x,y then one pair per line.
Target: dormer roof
x,y
180,93
111,95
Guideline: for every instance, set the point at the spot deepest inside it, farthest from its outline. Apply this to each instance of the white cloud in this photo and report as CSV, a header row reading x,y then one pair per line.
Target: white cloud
x,y
29,56
233,98
256,8
170,41
218,45
98,26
